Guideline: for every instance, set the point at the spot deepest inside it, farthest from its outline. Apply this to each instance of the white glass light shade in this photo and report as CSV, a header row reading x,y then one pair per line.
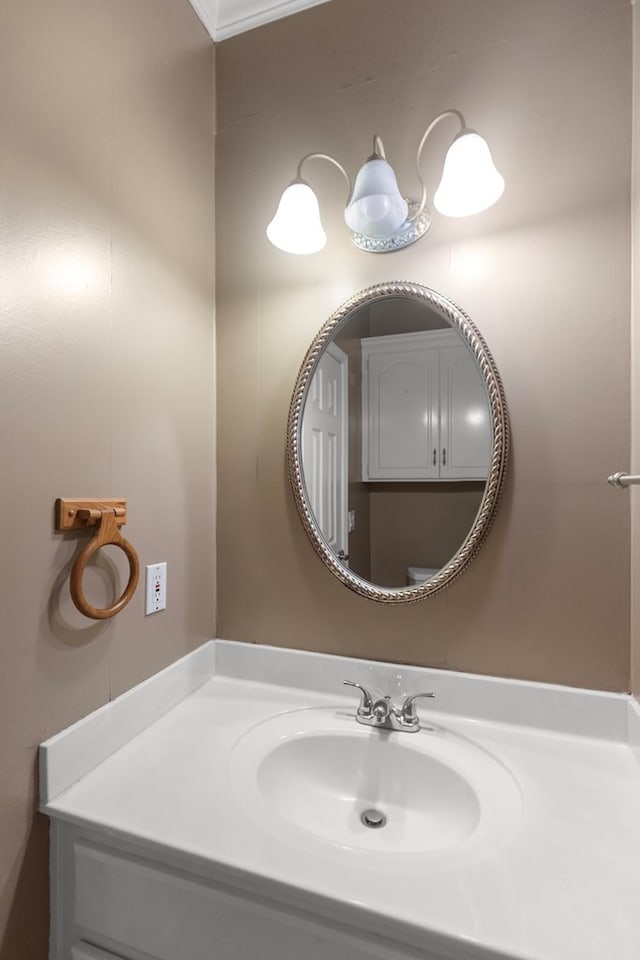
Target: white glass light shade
x,y
296,227
470,183
376,208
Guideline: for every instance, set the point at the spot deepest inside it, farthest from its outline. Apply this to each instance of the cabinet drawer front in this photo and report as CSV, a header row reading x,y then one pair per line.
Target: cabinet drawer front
x,y
171,915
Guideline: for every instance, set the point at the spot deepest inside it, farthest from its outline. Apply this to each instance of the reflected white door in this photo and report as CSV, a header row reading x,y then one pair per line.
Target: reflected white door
x,y
325,448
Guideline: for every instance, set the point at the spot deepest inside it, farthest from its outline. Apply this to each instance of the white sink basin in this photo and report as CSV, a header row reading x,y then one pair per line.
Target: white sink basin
x,y
319,771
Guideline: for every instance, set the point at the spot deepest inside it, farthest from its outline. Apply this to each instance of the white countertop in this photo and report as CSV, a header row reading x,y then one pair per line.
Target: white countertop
x,y
564,886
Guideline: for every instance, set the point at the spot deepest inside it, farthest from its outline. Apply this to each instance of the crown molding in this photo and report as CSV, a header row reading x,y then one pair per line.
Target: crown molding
x,y
206,10
227,18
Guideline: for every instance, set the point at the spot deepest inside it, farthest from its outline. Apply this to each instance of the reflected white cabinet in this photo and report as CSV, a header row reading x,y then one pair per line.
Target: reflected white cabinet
x,y
425,410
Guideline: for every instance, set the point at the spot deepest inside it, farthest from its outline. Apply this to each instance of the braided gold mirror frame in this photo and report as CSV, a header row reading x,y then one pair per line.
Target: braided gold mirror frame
x,y
499,453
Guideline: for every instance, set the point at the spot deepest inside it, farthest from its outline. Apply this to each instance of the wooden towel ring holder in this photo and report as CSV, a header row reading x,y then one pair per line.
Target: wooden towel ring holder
x,y
107,516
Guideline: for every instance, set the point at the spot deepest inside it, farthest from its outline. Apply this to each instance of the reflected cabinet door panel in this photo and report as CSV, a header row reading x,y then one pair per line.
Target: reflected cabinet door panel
x,y
402,421
465,422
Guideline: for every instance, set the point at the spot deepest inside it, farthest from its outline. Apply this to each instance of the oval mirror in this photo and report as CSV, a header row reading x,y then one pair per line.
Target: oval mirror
x,y
397,442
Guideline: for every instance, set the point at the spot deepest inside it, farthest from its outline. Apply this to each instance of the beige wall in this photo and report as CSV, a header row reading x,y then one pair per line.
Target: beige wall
x,y
418,525
106,372
544,274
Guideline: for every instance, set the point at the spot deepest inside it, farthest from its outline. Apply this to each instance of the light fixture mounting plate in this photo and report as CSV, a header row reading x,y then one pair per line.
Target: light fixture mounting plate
x,y
408,233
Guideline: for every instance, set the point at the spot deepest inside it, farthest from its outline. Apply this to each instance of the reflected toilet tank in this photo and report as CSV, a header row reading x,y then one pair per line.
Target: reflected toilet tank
x,y
417,575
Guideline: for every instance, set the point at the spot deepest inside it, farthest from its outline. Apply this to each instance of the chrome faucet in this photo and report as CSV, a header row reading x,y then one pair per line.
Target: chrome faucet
x,y
383,714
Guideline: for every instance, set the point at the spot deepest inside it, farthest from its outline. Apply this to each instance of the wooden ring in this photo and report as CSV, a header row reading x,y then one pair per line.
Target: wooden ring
x,y
107,533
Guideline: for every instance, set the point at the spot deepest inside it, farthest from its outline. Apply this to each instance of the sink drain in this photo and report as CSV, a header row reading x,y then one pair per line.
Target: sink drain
x,y
373,818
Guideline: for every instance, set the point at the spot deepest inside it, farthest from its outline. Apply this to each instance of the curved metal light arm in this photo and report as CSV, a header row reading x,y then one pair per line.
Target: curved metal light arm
x,y
441,116
324,156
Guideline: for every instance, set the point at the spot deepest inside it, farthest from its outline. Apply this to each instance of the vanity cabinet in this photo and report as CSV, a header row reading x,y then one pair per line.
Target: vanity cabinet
x,y
115,900
165,845
425,411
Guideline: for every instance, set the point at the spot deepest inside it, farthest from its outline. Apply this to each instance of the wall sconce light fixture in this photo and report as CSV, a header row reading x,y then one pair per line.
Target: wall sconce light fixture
x,y
380,218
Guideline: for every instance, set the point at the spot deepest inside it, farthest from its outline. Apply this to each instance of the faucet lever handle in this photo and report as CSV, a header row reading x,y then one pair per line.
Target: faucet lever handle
x,y
366,701
408,713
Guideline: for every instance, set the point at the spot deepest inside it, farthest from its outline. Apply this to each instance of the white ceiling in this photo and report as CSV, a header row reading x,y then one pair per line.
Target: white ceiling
x,y
226,18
